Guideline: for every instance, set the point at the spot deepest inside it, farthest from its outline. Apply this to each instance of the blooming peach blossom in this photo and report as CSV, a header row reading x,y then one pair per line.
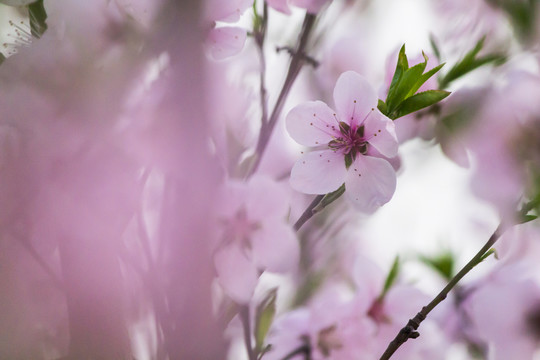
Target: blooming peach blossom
x,y
347,145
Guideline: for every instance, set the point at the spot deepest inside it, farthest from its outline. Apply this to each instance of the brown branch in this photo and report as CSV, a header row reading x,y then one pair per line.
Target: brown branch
x,y
297,61
409,331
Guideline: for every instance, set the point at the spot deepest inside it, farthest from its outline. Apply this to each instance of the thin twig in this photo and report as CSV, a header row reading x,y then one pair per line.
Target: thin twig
x,y
297,61
308,213
409,331
304,349
260,36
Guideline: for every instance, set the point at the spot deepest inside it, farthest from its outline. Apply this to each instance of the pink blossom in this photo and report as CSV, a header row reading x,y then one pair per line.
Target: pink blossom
x,y
341,324
254,236
503,140
347,145
506,312
226,41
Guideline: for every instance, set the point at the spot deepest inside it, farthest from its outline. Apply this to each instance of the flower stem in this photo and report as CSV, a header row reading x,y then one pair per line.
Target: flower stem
x,y
260,35
409,331
244,317
302,350
308,213
297,61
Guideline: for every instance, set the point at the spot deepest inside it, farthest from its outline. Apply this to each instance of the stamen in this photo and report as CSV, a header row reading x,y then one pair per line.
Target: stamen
x,y
369,113
328,130
21,36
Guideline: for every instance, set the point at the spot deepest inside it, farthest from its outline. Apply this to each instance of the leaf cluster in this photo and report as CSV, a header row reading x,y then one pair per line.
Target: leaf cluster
x,y
402,98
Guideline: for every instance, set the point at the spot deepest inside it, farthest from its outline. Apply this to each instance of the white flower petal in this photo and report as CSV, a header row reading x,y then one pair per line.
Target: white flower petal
x,y
236,273
226,41
318,172
381,133
354,98
370,183
312,123
275,247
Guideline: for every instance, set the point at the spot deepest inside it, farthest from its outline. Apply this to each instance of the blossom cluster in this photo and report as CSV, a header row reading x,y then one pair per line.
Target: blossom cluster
x,y
243,179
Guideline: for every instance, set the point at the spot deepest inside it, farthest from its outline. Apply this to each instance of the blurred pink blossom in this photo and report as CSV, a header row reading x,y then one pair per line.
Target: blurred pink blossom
x,y
226,41
254,235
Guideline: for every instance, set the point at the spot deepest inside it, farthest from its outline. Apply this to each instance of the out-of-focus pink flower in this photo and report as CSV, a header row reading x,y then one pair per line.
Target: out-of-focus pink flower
x,y
226,41
346,145
312,6
254,236
341,324
506,312
503,140
464,22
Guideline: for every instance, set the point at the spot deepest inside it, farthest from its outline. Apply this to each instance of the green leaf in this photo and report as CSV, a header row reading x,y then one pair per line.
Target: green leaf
x,y
469,63
486,255
434,47
401,66
403,87
425,77
381,105
38,18
2,58
527,218
390,278
420,101
264,317
329,198
443,264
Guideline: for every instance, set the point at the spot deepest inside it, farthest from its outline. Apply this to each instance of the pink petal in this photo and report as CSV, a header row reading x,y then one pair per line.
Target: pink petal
x,y
318,172
280,5
236,273
312,123
226,41
354,98
275,247
381,134
266,199
231,198
226,10
370,183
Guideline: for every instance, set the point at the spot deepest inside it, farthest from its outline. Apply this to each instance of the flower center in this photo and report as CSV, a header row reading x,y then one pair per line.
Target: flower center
x,y
240,228
351,141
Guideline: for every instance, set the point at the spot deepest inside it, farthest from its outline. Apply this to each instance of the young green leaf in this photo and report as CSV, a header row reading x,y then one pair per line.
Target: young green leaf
x,y
390,278
469,63
404,86
38,18
442,264
420,101
264,316
434,47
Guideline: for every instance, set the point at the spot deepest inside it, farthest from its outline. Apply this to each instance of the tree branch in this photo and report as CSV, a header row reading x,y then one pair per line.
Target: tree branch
x,y
297,61
409,331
